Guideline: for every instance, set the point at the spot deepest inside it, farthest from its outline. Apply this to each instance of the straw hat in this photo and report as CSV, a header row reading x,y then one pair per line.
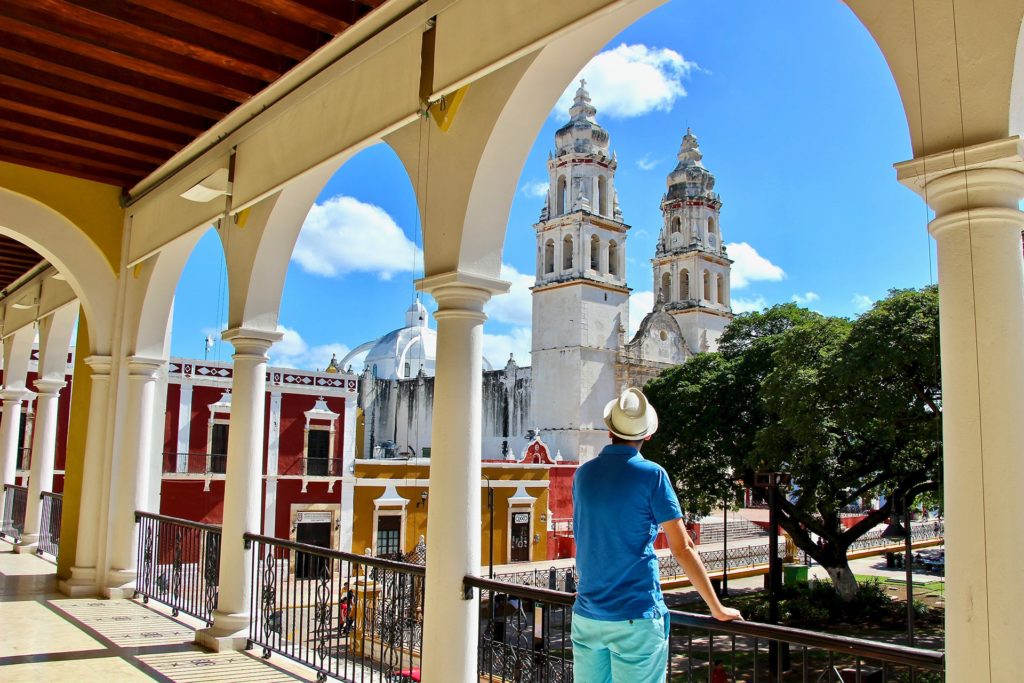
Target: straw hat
x,y
630,416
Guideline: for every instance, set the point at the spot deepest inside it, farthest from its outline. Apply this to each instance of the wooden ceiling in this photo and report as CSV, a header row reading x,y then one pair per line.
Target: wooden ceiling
x,y
15,260
110,89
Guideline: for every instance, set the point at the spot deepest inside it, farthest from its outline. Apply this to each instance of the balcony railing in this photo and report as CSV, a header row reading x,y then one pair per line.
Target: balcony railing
x,y
178,564
12,524
49,523
314,467
195,463
347,616
525,635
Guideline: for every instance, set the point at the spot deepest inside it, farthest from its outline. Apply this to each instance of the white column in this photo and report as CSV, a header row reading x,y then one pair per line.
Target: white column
x,y
241,489
9,428
130,483
451,621
84,578
44,441
975,194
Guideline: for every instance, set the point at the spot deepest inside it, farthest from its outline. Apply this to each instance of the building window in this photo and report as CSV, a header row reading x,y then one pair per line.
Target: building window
x,y
218,448
389,536
602,195
595,253
666,287
684,284
721,289
549,257
707,286
712,231
613,258
318,442
567,252
676,225
561,194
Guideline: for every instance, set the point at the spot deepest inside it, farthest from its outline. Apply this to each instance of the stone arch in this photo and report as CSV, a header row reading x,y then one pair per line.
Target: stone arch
x,y
70,250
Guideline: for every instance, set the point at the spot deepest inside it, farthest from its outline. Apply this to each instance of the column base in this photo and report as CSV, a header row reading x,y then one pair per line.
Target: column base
x,y
82,583
230,632
120,584
27,544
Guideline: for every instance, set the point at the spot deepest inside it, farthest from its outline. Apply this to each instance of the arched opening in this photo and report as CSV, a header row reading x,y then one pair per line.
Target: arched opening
x,y
602,196
549,257
595,253
684,285
666,287
707,286
676,225
561,196
567,252
613,258
721,289
712,232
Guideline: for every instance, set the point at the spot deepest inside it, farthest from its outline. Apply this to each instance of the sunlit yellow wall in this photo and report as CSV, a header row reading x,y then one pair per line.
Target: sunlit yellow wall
x,y
417,510
94,207
77,424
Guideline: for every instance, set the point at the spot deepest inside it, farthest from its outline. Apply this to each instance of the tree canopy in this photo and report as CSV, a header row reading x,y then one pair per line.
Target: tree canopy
x,y
851,409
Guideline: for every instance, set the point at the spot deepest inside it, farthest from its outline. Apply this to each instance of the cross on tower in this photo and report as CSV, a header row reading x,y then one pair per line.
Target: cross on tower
x,y
583,83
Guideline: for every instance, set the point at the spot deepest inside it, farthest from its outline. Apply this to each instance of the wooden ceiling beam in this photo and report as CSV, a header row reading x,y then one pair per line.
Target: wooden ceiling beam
x,y
77,154
244,23
43,161
300,13
100,74
114,141
156,63
25,103
141,24
24,130
189,125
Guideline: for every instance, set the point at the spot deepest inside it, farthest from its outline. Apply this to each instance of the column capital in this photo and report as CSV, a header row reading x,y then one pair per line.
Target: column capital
x,y
14,395
458,290
250,341
143,367
989,174
50,387
100,365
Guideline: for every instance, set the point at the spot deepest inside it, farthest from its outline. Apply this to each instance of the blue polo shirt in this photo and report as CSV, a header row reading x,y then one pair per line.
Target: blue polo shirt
x,y
619,499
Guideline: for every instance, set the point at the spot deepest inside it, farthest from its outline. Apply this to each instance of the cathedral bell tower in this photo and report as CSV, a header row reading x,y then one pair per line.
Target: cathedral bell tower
x,y
691,268
580,299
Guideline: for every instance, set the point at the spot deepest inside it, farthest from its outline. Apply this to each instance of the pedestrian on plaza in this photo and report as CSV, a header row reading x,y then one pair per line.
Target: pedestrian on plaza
x,y
620,625
350,595
718,673
343,615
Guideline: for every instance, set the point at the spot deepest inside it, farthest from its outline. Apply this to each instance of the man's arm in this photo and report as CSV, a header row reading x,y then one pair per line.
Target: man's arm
x,y
685,552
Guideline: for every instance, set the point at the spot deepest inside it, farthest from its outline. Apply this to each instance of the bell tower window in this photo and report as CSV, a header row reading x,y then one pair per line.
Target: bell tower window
x,y
567,252
561,194
666,287
721,289
613,258
602,195
684,285
676,225
595,253
549,257
707,286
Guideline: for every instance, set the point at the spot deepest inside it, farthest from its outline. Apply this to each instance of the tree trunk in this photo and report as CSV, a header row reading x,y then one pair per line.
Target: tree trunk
x,y
844,581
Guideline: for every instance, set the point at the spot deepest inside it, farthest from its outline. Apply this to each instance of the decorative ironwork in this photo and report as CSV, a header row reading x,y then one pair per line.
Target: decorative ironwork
x,y
268,602
12,524
50,521
175,587
323,612
211,571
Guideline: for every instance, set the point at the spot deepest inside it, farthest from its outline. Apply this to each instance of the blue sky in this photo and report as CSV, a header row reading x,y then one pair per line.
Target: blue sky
x,y
797,116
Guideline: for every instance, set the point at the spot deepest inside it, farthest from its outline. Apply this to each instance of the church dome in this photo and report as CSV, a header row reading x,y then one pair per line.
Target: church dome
x,y
401,353
689,178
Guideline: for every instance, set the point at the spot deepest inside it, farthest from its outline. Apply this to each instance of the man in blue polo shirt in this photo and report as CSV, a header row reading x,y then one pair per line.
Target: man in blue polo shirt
x,y
620,622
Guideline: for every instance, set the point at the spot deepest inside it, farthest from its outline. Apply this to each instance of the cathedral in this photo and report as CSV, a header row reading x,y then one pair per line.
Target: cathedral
x,y
580,353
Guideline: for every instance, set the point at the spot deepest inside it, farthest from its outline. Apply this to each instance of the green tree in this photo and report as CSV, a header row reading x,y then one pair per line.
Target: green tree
x,y
850,409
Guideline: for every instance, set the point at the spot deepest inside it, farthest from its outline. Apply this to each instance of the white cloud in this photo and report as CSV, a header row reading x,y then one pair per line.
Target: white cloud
x,y
740,305
750,266
640,304
344,235
517,342
631,80
646,163
861,302
516,307
294,352
538,189
804,299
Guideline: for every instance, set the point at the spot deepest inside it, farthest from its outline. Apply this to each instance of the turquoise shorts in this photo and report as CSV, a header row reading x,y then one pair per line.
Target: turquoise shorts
x,y
633,651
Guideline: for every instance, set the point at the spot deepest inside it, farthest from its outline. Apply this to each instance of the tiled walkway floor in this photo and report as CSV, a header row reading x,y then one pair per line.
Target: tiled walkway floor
x,y
45,636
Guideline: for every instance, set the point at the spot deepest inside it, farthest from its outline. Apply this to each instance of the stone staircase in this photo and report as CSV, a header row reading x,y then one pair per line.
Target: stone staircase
x,y
739,529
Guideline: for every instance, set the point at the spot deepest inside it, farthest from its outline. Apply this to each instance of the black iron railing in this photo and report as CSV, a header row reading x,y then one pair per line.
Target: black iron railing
x,y
178,564
313,467
194,463
12,524
525,635
346,616
554,578
49,523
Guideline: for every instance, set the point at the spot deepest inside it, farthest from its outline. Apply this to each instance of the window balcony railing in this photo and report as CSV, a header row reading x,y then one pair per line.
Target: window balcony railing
x,y
178,564
195,463
525,635
352,617
12,523
49,523
313,467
